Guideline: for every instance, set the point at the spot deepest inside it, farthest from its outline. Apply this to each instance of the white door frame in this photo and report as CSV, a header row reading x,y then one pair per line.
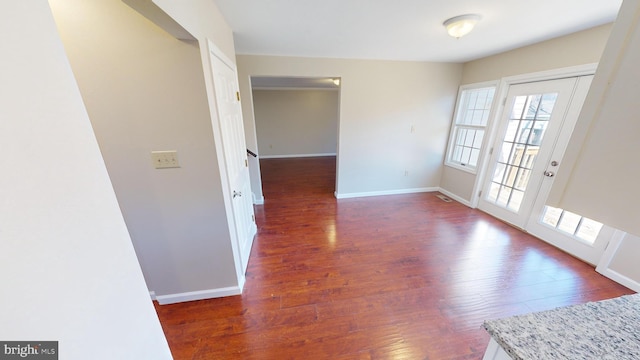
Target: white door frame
x,y
498,108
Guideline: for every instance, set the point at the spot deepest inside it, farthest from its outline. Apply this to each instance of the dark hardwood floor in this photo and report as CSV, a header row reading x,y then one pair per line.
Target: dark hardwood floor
x,y
390,277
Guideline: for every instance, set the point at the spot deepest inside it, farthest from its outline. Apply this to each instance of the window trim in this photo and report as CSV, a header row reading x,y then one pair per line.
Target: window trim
x,y
453,130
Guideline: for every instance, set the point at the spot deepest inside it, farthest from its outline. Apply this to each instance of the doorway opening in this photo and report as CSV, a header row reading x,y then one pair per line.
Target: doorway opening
x,y
297,118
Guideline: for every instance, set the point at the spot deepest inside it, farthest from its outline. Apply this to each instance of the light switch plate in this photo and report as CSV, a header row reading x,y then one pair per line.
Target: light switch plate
x,y
165,159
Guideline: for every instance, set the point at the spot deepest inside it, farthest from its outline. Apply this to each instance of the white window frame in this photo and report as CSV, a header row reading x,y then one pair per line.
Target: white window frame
x,y
455,126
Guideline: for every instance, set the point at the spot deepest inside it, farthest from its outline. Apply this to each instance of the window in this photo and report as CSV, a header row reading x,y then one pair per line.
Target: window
x,y
572,224
470,121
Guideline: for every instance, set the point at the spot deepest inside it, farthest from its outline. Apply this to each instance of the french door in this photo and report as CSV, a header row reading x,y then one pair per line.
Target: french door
x,y
527,133
575,234
534,129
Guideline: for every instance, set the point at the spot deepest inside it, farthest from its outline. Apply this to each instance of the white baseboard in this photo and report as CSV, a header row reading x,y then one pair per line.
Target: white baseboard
x,y
198,295
621,279
295,156
604,264
456,197
258,200
386,192
153,295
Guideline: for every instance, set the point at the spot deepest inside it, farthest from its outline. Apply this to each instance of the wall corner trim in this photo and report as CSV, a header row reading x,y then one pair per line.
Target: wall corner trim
x,y
198,295
156,15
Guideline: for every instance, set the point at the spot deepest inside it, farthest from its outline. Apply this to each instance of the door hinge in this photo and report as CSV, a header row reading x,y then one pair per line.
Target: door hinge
x,y
246,163
504,101
253,218
491,151
480,193
238,95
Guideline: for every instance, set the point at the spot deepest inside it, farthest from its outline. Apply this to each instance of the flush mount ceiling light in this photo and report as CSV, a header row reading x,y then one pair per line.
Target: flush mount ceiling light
x,y
460,26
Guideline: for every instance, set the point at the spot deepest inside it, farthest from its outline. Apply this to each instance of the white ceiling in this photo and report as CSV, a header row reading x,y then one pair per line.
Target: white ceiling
x,y
403,29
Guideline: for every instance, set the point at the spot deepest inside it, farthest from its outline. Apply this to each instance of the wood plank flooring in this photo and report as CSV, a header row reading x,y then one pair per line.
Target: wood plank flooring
x,y
391,277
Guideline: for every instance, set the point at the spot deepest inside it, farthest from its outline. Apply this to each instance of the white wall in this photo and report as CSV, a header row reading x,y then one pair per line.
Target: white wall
x,y
67,267
625,260
603,183
584,47
146,91
203,20
296,122
380,102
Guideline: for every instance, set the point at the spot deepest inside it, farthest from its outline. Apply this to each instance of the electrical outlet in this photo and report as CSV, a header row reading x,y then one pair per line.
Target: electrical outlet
x,y
165,159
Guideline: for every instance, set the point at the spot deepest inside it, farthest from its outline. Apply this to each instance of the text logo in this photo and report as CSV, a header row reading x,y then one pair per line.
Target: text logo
x,y
28,350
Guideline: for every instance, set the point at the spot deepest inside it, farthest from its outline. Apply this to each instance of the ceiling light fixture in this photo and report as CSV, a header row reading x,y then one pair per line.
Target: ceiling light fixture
x,y
460,26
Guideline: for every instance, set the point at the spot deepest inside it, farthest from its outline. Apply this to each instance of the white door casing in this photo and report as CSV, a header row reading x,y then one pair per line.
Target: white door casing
x,y
235,155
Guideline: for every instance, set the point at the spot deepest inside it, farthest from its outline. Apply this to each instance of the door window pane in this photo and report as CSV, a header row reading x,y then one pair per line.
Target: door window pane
x,y
519,149
505,153
503,197
498,174
551,216
569,222
518,107
510,177
546,106
516,200
512,130
531,109
494,189
523,179
588,230
575,225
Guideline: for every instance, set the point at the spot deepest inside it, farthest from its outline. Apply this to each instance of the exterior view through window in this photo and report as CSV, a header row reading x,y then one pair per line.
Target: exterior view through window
x,y
575,225
527,125
470,122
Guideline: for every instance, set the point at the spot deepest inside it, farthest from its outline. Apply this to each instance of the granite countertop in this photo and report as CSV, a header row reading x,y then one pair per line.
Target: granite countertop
x,y
608,329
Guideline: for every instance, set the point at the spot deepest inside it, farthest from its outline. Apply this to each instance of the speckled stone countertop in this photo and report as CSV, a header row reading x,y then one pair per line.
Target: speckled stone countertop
x,y
608,329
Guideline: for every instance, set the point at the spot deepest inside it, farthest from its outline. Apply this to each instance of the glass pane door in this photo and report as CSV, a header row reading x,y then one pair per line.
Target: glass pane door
x,y
528,122
526,135
580,236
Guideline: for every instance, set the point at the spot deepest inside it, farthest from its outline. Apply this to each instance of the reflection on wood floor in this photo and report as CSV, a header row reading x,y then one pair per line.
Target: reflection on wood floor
x,y
389,277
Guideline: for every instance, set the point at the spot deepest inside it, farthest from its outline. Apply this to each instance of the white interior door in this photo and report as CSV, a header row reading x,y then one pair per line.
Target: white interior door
x,y
528,131
235,155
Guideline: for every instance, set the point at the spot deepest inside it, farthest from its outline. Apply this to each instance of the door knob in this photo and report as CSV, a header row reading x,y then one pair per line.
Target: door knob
x,y
549,173
554,163
236,194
